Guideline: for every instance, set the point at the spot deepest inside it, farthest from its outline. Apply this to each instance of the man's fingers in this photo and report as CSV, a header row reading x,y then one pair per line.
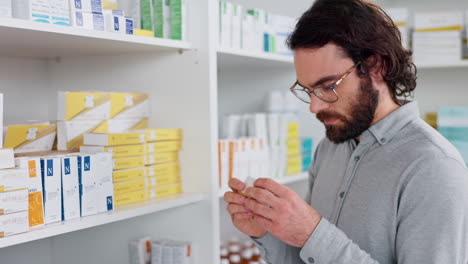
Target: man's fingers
x,y
267,224
236,184
272,186
232,197
237,208
242,216
263,196
259,208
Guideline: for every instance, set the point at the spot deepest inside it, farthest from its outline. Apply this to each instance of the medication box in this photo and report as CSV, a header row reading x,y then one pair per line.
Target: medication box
x,y
123,163
116,151
163,157
89,6
7,159
163,170
5,8
36,206
130,197
178,16
128,174
129,105
70,188
52,189
129,186
60,12
35,10
13,202
30,137
125,125
89,21
113,139
153,134
88,185
83,105
13,179
164,146
70,133
12,224
114,23
165,190
105,194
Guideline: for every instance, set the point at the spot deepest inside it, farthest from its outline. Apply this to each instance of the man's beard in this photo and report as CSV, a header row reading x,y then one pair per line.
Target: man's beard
x,y
362,110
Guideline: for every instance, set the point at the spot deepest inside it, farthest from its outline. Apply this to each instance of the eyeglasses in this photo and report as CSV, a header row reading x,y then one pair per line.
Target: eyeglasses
x,y
324,93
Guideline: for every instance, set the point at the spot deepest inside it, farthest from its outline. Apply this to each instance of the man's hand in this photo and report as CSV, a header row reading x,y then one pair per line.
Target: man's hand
x,y
281,212
242,218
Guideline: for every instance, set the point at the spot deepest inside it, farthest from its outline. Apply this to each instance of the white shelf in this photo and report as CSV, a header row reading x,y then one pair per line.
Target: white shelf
x,y
23,38
233,58
455,64
285,181
119,214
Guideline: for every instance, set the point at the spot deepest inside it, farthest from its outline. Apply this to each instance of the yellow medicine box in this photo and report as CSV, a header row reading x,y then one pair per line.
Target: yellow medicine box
x,y
128,174
129,186
123,163
113,139
165,190
163,157
154,134
162,170
130,197
294,165
117,151
164,146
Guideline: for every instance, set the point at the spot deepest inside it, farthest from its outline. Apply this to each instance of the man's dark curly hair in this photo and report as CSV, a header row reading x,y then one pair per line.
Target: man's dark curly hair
x,y
364,31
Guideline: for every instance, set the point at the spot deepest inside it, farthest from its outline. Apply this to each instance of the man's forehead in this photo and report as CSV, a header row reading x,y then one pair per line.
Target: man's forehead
x,y
315,63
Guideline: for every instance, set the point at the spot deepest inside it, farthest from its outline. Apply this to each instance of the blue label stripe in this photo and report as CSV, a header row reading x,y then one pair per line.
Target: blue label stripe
x,y
50,167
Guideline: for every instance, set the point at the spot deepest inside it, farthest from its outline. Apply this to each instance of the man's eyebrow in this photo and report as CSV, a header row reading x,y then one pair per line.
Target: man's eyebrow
x,y
325,79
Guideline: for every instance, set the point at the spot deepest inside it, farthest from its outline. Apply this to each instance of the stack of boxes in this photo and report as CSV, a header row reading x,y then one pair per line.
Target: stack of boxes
x,y
253,29
145,163
452,123
98,112
14,201
437,37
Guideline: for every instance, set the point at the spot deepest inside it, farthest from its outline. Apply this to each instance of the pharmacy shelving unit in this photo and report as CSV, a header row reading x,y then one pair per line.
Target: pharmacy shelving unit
x,y
37,61
120,214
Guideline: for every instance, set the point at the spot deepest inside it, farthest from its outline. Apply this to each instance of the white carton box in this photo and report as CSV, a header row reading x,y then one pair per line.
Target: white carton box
x,y
36,205
114,23
12,224
70,133
5,8
88,184
60,12
90,21
70,188
13,179
225,24
236,26
438,21
105,193
7,158
88,6
30,136
247,38
13,202
129,26
52,179
35,10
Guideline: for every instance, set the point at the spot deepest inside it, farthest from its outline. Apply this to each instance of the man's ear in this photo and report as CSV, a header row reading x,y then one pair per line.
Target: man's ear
x,y
377,68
